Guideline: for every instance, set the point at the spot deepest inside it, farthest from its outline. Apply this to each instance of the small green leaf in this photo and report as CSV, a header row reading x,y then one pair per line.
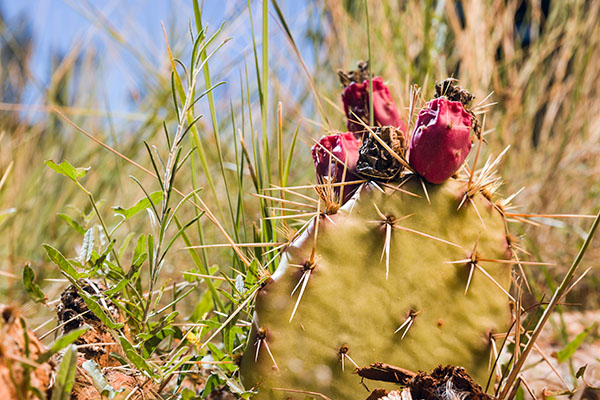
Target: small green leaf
x,y
100,382
252,273
98,310
62,342
65,378
119,358
139,254
142,204
217,353
135,358
122,283
103,259
87,246
33,290
72,223
212,383
188,394
570,349
57,258
229,335
66,169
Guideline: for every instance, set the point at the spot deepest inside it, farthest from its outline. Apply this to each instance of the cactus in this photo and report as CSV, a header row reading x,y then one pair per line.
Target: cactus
x,y
383,280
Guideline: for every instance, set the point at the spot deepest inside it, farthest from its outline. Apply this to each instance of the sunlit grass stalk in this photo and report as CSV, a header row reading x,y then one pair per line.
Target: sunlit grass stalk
x,y
215,123
371,115
558,294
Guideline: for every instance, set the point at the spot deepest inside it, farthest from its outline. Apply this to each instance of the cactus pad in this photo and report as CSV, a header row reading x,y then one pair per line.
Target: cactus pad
x,y
349,312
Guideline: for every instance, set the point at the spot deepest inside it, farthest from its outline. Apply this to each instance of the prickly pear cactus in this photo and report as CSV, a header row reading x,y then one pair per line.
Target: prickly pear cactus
x,y
382,280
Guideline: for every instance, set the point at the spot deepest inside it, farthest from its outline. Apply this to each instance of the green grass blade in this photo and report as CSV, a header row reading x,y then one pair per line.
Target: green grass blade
x,y
265,89
65,378
288,162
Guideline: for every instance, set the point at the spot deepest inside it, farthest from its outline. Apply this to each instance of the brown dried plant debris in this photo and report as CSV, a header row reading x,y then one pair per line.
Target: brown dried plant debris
x,y
375,161
74,313
377,394
18,347
443,382
386,373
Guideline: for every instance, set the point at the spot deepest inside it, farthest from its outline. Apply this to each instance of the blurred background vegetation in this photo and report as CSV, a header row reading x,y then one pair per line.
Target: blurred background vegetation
x,y
538,58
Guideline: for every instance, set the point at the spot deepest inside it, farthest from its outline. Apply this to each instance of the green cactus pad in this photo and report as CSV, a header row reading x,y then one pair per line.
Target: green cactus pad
x,y
349,304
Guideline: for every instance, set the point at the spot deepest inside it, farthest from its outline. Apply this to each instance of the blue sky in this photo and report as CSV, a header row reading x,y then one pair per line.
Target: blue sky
x,y
59,25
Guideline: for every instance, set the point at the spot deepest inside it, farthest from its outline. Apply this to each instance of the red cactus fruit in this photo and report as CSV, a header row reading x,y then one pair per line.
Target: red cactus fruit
x,y
332,155
356,101
441,140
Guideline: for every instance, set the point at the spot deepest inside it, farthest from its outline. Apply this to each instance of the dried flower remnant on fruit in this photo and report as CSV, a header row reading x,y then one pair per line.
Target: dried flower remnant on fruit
x,y
375,161
441,140
335,158
356,101
449,88
360,74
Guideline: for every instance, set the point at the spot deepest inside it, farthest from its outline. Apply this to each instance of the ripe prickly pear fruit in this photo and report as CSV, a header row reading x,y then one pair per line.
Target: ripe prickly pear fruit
x,y
335,158
356,101
441,140
332,304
